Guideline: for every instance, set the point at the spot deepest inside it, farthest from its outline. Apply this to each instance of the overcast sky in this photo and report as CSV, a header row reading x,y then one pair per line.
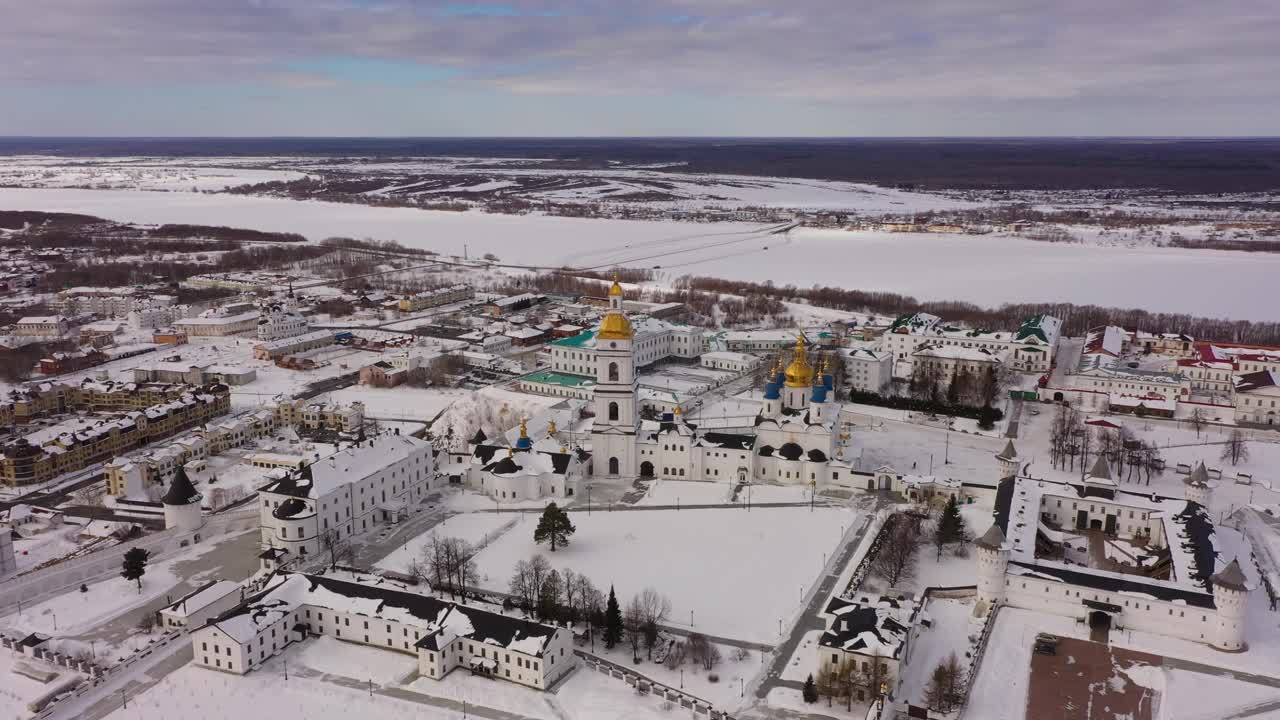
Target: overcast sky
x,y
639,67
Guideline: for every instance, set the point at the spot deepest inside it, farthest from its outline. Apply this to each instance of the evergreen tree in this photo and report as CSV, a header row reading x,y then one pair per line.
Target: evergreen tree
x,y
612,621
553,526
135,565
810,691
950,526
986,417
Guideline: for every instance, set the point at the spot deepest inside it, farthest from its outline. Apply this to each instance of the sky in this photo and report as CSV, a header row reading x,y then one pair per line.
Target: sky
x,y
639,67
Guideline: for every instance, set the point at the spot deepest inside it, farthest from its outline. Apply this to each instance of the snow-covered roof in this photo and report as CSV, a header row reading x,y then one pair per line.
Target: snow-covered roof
x,y
376,597
202,597
869,624
350,465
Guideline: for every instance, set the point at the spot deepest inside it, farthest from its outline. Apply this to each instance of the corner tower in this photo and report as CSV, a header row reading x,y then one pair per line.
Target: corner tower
x,y
617,422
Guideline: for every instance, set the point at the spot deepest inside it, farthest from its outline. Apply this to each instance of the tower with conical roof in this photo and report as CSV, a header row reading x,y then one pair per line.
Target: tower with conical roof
x,y
1196,486
617,421
1008,461
182,503
1230,598
993,563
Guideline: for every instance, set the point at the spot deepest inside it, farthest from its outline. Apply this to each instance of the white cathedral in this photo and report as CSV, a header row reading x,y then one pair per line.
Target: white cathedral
x,y
795,439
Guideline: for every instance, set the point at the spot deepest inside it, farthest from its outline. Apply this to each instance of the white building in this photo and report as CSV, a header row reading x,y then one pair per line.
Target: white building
x,y
278,321
867,629
158,316
734,362
350,491
653,340
1161,573
348,418
379,613
47,326
1030,348
1257,397
868,370
218,324
111,302
528,470
197,607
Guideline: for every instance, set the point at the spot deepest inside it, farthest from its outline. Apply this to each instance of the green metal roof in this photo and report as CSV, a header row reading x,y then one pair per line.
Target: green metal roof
x,y
578,340
551,377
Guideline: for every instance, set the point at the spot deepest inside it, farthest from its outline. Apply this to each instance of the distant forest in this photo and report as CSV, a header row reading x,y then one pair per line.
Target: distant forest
x,y
1210,165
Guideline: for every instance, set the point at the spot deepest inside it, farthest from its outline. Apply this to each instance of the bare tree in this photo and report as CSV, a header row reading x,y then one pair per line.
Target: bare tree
x,y
896,559
1235,448
91,497
1197,420
655,607
338,548
633,623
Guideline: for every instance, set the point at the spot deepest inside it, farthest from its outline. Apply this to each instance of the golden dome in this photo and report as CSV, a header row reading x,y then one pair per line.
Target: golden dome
x,y
524,429
616,290
551,428
679,410
799,372
615,326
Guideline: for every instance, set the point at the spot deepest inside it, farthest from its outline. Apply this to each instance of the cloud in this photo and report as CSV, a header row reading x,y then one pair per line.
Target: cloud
x,y
971,55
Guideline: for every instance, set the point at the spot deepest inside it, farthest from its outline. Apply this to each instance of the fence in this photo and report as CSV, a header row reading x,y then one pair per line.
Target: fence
x,y
165,641
647,685
976,663
35,587
864,566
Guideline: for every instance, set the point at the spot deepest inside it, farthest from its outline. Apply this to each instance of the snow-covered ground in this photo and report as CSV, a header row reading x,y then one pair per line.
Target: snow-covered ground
x,y
400,403
18,690
131,174
683,492
475,528
1000,692
194,693
461,686
949,633
988,269
353,660
738,572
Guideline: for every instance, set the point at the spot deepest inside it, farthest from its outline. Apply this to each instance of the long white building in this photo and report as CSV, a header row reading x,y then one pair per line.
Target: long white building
x,y
367,610
371,482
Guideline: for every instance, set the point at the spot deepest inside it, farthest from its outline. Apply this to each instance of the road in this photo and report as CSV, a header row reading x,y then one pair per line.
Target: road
x,y
810,619
368,550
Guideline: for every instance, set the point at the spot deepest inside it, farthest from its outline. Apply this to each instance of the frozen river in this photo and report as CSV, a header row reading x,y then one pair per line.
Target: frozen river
x,y
988,270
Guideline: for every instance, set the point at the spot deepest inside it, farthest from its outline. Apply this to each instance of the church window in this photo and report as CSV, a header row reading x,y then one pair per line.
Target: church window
x,y
613,411
613,371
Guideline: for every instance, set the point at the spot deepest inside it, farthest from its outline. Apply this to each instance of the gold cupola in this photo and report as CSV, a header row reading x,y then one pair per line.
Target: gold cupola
x,y
799,372
615,325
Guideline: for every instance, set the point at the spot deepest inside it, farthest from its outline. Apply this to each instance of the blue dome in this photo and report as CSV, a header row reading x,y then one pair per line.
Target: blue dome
x,y
773,391
780,378
829,382
524,443
819,394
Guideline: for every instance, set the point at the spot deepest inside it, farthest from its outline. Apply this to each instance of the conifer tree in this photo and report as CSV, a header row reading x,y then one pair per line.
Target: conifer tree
x,y
612,621
553,526
810,691
135,565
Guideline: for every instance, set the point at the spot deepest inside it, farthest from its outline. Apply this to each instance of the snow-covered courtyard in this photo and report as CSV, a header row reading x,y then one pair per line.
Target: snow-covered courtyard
x,y
738,572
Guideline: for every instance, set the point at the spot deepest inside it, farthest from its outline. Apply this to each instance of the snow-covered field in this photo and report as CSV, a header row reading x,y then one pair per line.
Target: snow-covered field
x,y
460,686
738,572
131,174
984,269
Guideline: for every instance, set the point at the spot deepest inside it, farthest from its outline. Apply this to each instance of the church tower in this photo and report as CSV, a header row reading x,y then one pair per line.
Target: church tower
x,y
799,378
613,434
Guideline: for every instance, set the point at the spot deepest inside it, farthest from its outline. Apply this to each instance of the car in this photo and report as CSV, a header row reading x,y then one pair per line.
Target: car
x,y
1045,645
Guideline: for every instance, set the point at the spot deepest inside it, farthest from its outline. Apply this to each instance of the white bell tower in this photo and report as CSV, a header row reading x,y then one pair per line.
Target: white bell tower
x,y
617,421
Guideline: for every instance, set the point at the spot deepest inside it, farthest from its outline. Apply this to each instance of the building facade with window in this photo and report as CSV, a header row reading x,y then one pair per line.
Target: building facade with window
x,y
349,492
367,610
